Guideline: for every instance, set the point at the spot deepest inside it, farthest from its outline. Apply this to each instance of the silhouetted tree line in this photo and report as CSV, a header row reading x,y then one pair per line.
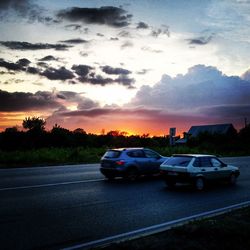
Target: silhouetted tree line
x,y
35,136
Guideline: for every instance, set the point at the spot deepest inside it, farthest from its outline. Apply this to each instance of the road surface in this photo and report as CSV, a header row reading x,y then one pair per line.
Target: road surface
x,y
55,207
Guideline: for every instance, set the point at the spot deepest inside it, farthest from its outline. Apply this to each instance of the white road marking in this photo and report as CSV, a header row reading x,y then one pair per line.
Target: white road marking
x,y
156,228
50,184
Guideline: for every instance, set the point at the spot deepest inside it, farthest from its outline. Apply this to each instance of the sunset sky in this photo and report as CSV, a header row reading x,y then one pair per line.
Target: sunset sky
x,y
136,66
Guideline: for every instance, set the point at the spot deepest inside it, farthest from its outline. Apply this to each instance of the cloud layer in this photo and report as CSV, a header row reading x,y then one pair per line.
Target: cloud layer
x,y
78,73
204,91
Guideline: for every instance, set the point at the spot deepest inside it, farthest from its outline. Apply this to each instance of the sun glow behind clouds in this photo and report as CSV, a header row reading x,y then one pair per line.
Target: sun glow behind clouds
x,y
158,38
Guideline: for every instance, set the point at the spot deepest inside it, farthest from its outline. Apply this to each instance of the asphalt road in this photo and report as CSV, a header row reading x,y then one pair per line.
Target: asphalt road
x,y
54,207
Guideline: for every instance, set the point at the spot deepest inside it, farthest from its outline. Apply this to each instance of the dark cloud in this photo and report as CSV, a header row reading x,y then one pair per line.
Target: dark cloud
x,y
33,46
24,9
48,58
142,25
87,103
199,41
137,114
125,81
20,65
20,101
96,80
23,62
58,74
103,81
125,33
85,73
107,15
114,38
75,41
43,64
82,101
228,111
94,112
115,71
33,70
81,70
100,34
73,27
10,65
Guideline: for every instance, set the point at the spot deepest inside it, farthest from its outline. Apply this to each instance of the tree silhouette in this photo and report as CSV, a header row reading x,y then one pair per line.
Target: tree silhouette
x,y
34,124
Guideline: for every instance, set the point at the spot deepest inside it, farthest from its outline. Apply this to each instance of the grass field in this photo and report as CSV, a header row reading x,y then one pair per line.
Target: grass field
x,y
58,156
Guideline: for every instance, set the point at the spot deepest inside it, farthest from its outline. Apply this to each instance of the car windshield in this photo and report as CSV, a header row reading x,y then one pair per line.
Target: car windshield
x,y
179,161
112,154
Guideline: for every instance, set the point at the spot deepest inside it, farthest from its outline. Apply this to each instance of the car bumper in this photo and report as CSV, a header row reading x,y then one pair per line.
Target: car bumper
x,y
177,176
112,172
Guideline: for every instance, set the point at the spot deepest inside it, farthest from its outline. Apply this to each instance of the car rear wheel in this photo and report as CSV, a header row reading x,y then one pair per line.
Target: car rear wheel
x,y
110,177
199,184
170,183
132,174
232,179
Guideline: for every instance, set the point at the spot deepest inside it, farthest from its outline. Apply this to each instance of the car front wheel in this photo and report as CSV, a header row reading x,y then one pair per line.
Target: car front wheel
x,y
199,184
232,179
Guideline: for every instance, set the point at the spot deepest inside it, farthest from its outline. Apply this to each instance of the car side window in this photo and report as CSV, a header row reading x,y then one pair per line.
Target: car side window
x,y
205,162
197,163
136,154
150,154
215,162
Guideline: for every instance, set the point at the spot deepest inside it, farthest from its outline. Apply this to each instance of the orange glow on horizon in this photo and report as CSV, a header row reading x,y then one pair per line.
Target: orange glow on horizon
x,y
140,128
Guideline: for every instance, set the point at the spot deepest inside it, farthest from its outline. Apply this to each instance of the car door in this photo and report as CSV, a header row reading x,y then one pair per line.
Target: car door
x,y
206,168
153,161
221,170
140,160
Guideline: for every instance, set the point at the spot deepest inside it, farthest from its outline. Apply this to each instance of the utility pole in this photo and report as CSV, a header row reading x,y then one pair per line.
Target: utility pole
x,y
172,132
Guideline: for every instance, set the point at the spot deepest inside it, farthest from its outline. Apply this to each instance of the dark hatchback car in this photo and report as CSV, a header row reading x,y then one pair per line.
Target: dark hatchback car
x,y
130,163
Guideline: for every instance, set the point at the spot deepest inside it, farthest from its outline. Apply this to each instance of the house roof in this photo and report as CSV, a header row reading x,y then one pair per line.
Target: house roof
x,y
212,129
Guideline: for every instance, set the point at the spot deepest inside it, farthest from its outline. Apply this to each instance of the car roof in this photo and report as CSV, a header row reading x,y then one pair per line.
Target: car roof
x,y
124,149
193,155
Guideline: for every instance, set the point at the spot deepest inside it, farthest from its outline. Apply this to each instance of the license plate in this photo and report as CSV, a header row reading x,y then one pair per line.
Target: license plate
x,y
106,165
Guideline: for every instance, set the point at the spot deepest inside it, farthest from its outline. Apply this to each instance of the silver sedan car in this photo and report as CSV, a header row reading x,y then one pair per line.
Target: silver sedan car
x,y
197,170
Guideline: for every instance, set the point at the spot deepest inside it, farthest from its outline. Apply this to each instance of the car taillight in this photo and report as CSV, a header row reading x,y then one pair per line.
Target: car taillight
x,y
120,163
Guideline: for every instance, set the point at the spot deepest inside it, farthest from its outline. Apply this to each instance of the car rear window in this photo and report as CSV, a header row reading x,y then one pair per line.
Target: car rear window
x,y
179,161
112,154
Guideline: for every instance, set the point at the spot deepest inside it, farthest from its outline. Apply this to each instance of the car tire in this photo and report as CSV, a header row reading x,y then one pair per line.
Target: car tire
x,y
110,177
132,174
199,183
232,179
170,183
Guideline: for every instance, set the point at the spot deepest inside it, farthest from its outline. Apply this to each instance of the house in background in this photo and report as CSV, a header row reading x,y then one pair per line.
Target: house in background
x,y
194,131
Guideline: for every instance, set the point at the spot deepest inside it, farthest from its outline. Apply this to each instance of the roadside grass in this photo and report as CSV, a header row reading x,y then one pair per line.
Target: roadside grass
x,y
50,156
58,156
230,231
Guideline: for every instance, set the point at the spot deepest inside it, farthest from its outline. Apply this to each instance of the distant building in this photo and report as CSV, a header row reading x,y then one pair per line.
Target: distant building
x,y
194,131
